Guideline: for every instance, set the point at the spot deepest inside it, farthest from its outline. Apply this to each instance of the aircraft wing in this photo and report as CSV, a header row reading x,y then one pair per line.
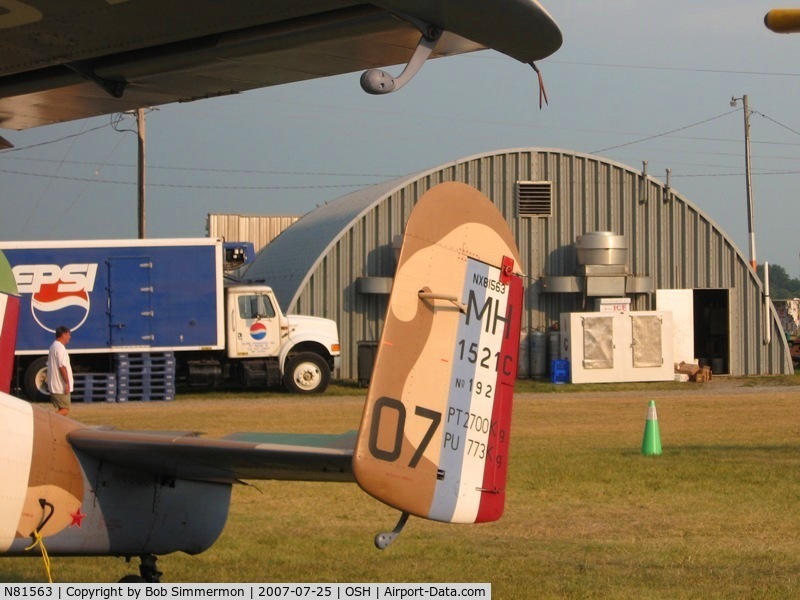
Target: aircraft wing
x,y
71,60
296,457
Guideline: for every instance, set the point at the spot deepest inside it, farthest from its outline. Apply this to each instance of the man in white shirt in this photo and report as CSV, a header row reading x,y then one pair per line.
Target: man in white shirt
x,y
59,371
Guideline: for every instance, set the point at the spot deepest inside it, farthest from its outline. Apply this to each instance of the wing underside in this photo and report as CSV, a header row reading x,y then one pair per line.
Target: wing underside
x,y
295,457
69,60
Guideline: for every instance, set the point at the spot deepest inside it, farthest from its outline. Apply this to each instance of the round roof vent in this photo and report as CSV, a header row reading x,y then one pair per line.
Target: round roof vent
x,y
602,248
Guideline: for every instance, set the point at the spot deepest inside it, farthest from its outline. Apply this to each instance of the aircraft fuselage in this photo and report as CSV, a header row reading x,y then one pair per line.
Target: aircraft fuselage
x,y
84,506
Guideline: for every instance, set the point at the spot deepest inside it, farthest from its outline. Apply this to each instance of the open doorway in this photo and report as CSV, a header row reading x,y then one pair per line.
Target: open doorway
x,y
712,329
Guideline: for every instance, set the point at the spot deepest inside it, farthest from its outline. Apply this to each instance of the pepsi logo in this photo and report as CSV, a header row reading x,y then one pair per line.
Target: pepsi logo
x,y
59,295
258,331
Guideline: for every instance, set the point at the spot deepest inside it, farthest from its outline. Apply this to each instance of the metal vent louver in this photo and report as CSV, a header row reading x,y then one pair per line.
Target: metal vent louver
x,y
534,198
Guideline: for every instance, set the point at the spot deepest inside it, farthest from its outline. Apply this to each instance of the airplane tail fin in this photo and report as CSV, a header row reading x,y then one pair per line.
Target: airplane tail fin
x,y
9,318
434,434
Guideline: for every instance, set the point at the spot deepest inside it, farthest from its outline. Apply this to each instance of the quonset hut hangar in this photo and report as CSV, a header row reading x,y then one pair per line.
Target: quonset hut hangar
x,y
338,260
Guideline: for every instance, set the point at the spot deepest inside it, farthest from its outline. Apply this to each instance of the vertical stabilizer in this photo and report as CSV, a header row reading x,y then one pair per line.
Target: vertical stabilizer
x,y
435,431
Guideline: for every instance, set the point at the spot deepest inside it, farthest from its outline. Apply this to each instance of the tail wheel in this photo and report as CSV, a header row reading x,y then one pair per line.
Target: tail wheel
x,y
307,373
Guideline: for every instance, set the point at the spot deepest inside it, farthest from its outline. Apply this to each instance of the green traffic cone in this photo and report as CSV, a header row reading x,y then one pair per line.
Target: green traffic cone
x,y
651,444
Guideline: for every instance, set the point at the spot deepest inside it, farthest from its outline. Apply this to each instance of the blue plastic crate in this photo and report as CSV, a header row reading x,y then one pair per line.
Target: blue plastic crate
x,y
145,392
559,371
146,376
146,360
94,387
163,395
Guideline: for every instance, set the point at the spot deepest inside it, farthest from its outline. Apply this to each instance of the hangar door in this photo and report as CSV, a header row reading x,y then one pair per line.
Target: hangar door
x,y
712,329
702,326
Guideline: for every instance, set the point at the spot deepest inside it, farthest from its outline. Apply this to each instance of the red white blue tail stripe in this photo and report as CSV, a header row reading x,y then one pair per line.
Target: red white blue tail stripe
x,y
476,422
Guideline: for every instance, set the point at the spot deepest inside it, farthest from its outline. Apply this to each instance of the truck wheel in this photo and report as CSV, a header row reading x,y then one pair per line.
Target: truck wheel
x,y
307,373
36,380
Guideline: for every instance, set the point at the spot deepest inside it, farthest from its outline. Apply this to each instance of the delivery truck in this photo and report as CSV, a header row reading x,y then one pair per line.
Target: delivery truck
x,y
162,296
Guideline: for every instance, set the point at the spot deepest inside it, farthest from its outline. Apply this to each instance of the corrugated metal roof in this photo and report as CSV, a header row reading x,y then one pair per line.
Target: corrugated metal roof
x,y
290,259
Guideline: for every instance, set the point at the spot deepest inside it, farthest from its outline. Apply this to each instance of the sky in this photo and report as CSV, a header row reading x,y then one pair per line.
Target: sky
x,y
644,80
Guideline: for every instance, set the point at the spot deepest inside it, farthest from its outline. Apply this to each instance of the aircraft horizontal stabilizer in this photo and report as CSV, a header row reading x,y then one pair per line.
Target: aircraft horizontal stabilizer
x,y
295,457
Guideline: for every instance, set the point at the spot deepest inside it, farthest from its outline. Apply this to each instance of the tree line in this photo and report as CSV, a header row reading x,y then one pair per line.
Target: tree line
x,y
781,286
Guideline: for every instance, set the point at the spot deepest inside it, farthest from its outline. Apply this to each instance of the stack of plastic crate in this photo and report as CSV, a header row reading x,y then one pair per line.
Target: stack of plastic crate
x,y
94,387
146,376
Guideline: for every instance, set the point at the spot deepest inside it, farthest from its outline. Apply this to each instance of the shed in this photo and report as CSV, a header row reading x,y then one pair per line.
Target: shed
x,y
258,229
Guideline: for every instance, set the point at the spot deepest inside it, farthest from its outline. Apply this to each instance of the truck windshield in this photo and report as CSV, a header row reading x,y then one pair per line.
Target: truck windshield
x,y
256,306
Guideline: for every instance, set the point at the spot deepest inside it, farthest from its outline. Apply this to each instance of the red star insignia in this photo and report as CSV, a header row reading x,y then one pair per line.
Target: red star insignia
x,y
77,517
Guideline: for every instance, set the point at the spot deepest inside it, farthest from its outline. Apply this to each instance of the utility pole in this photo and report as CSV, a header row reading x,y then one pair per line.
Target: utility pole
x,y
140,123
748,179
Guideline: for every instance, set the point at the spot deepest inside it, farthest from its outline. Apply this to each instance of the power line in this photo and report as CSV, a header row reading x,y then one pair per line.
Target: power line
x,y
680,69
188,186
55,141
210,169
776,122
760,173
651,137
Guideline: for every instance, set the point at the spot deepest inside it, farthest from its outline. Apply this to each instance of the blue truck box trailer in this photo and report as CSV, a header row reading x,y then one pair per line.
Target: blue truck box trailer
x,y
154,297
169,295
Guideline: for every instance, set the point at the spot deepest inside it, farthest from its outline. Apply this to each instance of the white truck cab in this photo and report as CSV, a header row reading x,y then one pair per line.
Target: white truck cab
x,y
306,349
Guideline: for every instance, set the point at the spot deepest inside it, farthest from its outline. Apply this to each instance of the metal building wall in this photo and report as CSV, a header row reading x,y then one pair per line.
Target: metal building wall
x,y
670,240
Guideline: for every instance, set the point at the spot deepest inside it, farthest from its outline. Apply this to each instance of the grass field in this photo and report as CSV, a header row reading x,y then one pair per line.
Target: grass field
x,y
587,516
